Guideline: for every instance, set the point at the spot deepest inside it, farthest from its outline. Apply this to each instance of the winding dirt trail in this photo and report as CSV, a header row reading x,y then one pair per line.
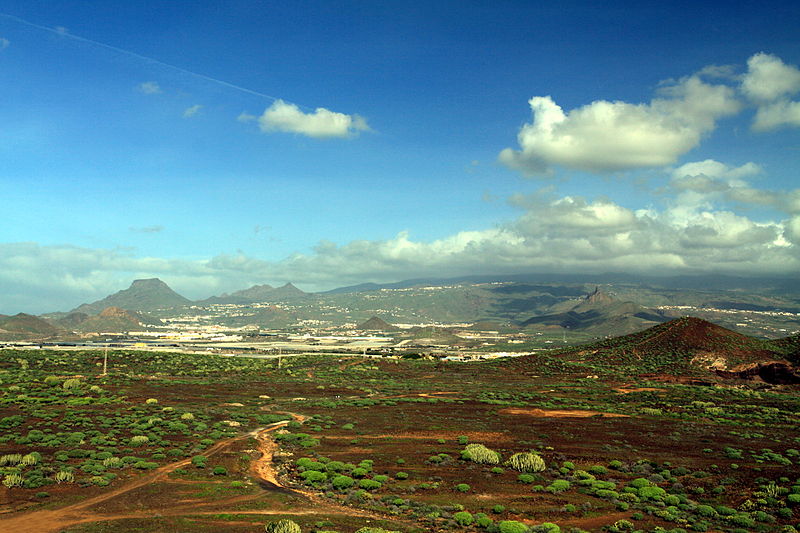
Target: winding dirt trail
x,y
54,520
261,469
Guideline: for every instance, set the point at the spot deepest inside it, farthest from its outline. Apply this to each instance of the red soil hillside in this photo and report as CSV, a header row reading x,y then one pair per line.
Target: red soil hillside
x,y
682,346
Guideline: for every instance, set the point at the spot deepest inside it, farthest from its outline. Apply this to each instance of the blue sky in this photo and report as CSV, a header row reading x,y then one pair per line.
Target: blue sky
x,y
221,144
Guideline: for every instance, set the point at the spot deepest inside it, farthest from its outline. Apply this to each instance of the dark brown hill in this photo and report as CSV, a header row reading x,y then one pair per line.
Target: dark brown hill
x,y
70,321
684,346
114,319
23,326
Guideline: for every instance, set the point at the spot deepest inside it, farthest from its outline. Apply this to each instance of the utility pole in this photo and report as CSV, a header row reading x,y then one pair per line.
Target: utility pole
x,y
279,358
105,361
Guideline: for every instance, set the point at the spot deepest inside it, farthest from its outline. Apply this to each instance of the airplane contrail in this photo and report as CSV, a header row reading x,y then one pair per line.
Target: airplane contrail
x,y
72,36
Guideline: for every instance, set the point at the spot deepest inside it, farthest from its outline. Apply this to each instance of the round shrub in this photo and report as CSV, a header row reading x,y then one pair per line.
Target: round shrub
x,y
369,484
283,526
480,454
512,526
462,487
342,482
464,518
526,462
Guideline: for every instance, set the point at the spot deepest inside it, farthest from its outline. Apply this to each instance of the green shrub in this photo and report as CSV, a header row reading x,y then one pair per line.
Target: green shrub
x,y
559,485
526,478
526,462
512,526
369,484
65,477
401,475
71,384
478,453
462,487
342,482
652,493
13,480
283,526
464,518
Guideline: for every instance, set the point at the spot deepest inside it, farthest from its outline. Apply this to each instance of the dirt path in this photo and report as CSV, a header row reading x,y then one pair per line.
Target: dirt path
x,y
262,469
557,413
47,520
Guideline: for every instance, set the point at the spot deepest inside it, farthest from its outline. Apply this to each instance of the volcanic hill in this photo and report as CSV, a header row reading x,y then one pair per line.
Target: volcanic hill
x,y
684,346
115,319
23,326
142,295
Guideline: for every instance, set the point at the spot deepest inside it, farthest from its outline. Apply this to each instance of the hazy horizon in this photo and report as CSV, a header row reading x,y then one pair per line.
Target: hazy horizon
x,y
221,146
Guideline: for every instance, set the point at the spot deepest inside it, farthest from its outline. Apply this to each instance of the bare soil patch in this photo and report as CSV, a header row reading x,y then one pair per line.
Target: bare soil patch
x,y
557,413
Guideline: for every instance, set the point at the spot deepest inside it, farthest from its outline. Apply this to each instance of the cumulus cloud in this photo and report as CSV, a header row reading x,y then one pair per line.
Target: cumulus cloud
x,y
322,123
189,112
711,175
149,87
610,136
774,115
551,234
770,83
700,183
769,78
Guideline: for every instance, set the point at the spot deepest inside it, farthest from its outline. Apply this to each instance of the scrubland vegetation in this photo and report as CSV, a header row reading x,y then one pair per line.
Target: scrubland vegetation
x,y
364,445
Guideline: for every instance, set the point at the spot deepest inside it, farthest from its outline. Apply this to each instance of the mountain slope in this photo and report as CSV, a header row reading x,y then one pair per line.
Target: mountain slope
x,y
115,319
598,313
24,327
684,346
142,295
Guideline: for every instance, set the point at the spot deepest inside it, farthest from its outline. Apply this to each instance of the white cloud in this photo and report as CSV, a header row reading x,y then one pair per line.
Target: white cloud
x,y
769,82
149,87
774,115
189,112
4,43
322,123
769,78
711,175
701,183
567,234
610,136
793,230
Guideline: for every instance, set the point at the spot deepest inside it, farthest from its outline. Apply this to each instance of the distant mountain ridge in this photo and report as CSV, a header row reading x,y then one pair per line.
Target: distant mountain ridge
x,y
258,294
142,295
